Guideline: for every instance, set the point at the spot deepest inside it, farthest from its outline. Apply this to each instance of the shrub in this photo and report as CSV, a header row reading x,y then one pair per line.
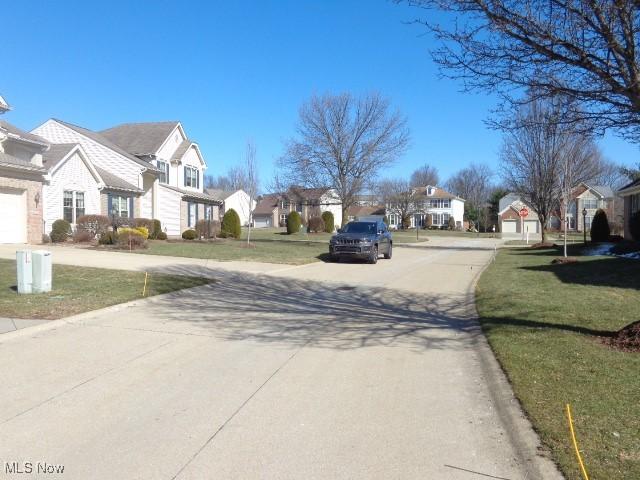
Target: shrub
x,y
157,229
230,224
208,228
316,224
82,236
46,238
94,224
329,222
428,221
108,238
60,231
144,231
600,227
118,222
130,237
293,223
161,236
634,225
146,223
452,223
189,234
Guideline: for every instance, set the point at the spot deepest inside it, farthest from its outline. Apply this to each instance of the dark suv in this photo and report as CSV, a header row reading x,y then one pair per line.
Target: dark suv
x,y
361,240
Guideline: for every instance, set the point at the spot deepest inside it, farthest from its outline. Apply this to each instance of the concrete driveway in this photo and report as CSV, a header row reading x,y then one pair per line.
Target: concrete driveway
x,y
321,371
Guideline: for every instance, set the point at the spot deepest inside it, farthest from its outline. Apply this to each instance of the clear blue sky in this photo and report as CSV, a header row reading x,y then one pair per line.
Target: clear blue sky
x,y
237,70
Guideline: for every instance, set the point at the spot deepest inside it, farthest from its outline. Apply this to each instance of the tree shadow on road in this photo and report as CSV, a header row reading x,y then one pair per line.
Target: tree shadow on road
x,y
269,309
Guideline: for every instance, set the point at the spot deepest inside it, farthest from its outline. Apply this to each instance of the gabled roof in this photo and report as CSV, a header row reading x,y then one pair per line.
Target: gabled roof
x,y
17,163
437,193
603,190
96,137
17,134
630,188
56,153
305,193
140,138
4,106
365,210
194,195
181,150
266,204
219,194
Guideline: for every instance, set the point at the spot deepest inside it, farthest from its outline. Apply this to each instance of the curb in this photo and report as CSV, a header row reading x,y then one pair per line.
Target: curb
x,y
517,425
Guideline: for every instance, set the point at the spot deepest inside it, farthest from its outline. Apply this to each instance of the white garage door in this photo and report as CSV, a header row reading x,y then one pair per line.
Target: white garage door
x,y
509,226
531,226
13,216
261,222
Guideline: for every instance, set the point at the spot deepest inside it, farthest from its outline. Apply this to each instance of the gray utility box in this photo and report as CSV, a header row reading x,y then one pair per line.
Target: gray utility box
x,y
41,271
24,267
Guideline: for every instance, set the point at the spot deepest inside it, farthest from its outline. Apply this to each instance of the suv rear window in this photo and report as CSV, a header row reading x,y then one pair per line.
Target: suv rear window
x,y
360,227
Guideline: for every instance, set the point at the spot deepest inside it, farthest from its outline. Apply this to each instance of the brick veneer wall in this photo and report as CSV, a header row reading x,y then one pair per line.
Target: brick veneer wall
x,y
32,184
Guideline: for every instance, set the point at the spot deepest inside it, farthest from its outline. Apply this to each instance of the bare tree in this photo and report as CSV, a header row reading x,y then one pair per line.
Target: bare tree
x,y
611,174
230,182
250,182
342,142
424,175
586,50
399,198
472,183
543,156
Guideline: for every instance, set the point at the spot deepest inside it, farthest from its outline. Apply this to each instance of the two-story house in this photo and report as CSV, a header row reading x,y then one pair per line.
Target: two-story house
x,y
587,199
434,202
272,210
149,170
21,180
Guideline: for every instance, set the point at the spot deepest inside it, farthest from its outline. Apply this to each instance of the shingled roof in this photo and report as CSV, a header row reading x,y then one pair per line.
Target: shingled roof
x,y
56,152
20,134
16,163
140,139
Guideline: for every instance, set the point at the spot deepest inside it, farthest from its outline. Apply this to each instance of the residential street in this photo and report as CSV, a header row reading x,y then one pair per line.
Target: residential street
x,y
318,371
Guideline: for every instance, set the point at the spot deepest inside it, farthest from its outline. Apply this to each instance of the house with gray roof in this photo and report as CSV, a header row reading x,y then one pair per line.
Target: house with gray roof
x,y
148,170
588,199
237,200
21,179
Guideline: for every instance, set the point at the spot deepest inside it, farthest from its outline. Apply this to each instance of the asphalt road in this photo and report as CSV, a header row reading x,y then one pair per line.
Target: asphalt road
x,y
320,371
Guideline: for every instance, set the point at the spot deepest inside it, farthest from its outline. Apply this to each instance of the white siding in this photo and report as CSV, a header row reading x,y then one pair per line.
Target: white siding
x,y
172,142
239,201
100,155
190,158
169,209
146,200
331,203
457,210
73,175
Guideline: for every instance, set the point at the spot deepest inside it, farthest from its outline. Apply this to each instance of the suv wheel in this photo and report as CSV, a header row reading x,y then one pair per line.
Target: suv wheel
x,y
373,258
389,252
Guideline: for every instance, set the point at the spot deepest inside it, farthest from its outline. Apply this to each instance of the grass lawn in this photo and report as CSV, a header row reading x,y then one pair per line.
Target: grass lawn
x,y
287,251
79,289
543,322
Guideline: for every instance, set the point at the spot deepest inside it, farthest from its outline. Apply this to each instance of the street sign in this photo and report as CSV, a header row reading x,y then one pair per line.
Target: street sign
x,y
524,212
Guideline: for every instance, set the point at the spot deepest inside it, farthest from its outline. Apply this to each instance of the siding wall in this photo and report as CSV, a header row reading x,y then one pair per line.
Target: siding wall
x,y
169,204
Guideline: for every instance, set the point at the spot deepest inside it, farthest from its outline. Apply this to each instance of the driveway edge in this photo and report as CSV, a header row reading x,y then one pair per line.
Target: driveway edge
x,y
522,435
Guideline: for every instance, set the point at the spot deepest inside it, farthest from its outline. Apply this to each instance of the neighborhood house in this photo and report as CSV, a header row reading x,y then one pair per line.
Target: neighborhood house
x,y
433,202
272,210
509,216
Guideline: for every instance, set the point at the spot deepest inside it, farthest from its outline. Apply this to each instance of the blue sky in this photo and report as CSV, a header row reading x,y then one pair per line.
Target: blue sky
x,y
231,71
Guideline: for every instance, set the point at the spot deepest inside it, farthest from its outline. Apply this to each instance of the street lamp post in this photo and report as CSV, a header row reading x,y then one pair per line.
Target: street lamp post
x,y
584,225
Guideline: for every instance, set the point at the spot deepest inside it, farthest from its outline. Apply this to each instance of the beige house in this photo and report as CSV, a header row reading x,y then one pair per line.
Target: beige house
x,y
272,210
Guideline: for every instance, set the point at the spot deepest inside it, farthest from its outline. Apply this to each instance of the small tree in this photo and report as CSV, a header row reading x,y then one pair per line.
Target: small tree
x,y
600,230
327,218
452,223
293,223
230,224
60,231
428,221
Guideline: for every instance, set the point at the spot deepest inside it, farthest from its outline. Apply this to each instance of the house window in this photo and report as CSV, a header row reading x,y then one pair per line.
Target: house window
x,y
284,204
590,203
120,206
208,212
436,219
299,208
445,219
72,205
393,219
191,177
164,172
446,203
587,222
283,217
192,214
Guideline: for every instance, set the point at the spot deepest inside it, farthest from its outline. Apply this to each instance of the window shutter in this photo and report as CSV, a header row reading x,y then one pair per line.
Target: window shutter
x,y
197,178
196,205
184,173
109,205
130,207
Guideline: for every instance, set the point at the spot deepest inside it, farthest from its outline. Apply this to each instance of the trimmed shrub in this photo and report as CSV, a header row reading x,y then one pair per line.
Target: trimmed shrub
x,y
316,225
46,238
452,223
208,228
230,227
329,222
146,223
93,224
118,222
108,238
157,229
130,238
60,231
189,234
293,223
144,231
600,230
161,236
82,236
634,225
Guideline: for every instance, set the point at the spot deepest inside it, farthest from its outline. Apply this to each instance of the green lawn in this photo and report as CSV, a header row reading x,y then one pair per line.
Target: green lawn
x,y
543,322
79,289
289,251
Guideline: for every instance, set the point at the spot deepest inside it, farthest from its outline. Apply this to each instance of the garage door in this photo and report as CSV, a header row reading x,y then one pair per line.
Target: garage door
x,y
261,222
531,226
13,227
509,226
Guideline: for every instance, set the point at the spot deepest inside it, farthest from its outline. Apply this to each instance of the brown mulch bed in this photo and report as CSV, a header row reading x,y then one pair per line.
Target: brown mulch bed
x,y
626,339
564,260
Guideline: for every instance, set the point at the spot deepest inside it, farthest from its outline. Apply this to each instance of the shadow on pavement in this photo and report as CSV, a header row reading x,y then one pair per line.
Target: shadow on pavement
x,y
296,312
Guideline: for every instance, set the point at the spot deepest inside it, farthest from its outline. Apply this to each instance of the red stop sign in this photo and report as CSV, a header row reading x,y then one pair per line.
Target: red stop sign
x,y
524,212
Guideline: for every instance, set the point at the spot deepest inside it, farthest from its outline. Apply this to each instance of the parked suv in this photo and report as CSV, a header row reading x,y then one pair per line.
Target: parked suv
x,y
365,240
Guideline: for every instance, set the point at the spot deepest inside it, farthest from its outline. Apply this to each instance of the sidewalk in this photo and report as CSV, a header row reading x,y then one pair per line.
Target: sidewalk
x,y
13,324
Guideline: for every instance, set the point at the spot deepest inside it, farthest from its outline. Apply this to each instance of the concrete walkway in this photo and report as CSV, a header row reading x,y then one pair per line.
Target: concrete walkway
x,y
320,371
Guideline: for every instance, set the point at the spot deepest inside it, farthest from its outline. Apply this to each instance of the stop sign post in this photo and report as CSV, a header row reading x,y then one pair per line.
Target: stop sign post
x,y
524,212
